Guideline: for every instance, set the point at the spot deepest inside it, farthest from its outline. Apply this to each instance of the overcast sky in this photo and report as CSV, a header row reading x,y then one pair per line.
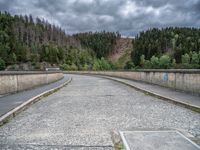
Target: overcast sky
x,y
126,16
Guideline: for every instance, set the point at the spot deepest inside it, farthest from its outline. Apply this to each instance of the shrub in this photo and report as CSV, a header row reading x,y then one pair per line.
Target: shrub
x,y
165,62
68,67
96,65
104,64
115,65
147,64
64,67
2,64
73,67
142,60
195,58
101,64
174,63
84,67
185,59
129,65
199,59
154,62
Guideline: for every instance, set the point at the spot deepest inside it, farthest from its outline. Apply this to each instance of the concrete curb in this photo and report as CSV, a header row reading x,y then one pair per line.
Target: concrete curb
x,y
11,114
183,104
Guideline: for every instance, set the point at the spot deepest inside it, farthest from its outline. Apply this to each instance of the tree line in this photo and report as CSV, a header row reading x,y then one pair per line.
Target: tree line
x,y
156,45
25,39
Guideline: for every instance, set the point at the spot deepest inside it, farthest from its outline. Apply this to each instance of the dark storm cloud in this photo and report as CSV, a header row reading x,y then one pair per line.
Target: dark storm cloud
x,y
127,16
4,5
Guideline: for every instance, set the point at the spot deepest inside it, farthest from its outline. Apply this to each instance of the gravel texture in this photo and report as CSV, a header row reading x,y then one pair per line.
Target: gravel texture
x,y
83,114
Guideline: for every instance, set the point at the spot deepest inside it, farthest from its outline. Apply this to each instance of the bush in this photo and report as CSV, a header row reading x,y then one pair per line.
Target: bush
x,y
84,67
96,65
129,65
199,59
115,65
165,62
64,67
186,66
101,64
185,59
154,62
73,67
142,60
195,58
37,66
68,67
195,66
2,64
147,64
104,64
174,63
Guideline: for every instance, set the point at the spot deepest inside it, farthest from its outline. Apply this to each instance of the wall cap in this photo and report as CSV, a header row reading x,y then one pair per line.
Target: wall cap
x,y
188,71
27,72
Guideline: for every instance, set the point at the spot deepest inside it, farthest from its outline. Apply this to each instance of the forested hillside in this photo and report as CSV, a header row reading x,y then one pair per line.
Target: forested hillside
x,y
167,48
23,39
102,43
34,41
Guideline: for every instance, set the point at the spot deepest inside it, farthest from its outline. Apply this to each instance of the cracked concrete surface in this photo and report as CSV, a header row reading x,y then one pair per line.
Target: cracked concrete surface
x,y
83,114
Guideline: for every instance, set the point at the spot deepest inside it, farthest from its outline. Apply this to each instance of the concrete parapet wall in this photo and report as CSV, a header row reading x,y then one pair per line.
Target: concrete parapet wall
x,y
11,82
180,79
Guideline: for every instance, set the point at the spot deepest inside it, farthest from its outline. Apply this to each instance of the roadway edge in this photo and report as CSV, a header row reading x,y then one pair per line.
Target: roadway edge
x,y
11,114
186,105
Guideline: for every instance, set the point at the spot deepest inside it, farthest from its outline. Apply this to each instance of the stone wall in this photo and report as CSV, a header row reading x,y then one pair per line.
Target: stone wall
x,y
184,80
11,82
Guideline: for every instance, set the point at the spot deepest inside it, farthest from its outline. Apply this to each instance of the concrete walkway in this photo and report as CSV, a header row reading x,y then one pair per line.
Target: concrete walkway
x,y
10,102
185,99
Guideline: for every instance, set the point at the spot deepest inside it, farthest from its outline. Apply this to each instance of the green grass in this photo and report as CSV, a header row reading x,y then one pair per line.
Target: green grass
x,y
119,147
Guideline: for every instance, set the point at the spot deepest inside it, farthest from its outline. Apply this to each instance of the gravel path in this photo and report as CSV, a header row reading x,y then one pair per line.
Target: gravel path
x,y
83,114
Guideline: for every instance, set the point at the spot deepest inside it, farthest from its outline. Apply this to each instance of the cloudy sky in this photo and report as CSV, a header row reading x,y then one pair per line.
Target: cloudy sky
x,y
126,16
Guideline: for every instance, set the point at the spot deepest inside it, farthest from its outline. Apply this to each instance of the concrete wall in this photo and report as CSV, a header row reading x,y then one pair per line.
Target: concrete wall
x,y
184,80
17,81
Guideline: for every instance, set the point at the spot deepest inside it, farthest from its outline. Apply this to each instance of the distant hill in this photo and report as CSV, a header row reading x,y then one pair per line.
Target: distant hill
x,y
24,40
33,44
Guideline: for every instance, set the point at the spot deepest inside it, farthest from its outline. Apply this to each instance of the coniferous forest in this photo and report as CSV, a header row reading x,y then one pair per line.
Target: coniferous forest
x,y
25,40
167,48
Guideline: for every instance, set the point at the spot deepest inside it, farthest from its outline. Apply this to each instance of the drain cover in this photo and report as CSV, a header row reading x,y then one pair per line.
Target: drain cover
x,y
157,140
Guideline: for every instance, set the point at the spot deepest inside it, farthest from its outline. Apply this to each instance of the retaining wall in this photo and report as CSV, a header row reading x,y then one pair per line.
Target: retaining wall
x,y
179,79
11,82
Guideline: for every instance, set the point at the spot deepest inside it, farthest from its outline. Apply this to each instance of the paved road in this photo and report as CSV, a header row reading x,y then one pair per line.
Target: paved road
x,y
83,114
9,102
178,96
